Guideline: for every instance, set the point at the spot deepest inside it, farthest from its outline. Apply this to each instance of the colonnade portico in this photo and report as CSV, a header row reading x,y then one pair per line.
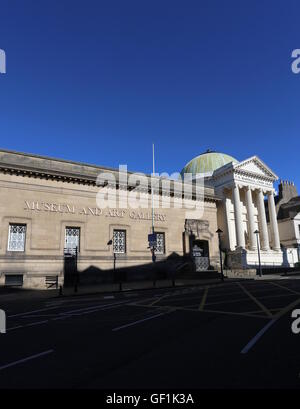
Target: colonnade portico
x,y
254,195
242,186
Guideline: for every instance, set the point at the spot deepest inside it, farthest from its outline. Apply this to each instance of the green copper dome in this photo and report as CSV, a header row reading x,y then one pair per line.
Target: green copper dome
x,y
207,163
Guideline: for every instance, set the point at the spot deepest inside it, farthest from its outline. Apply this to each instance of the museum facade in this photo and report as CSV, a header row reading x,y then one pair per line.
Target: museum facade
x,y
49,208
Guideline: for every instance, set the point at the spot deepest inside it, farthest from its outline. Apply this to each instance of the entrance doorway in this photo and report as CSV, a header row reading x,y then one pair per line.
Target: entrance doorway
x,y
200,254
70,267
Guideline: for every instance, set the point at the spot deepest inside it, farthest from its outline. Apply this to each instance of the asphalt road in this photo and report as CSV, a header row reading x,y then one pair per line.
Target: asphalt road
x,y
232,335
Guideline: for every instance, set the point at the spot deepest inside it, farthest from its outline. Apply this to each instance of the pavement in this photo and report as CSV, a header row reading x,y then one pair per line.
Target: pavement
x,y
235,334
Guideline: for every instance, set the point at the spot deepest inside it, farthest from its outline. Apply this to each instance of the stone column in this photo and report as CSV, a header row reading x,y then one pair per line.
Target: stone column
x,y
251,222
226,203
263,227
273,221
240,238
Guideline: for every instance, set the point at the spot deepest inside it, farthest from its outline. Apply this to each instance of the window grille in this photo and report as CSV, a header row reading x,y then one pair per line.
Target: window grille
x,y
160,243
119,241
16,237
72,238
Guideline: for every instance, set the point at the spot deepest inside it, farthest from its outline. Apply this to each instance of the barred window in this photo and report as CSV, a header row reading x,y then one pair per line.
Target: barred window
x,y
119,241
72,238
160,243
16,237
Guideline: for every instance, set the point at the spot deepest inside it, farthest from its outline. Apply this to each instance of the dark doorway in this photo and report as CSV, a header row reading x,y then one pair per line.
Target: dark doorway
x,y
70,267
200,254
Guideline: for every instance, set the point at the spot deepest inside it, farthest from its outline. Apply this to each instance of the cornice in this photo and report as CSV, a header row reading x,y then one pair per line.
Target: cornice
x,y
88,175
253,175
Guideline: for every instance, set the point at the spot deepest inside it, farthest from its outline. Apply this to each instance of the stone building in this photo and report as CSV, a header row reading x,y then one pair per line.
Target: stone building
x,y
242,187
288,215
48,208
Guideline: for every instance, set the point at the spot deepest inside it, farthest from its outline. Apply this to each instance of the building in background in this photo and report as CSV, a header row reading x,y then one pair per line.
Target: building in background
x,y
288,215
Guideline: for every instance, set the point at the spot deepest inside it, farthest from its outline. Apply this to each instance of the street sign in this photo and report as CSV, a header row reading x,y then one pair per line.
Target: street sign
x,y
152,240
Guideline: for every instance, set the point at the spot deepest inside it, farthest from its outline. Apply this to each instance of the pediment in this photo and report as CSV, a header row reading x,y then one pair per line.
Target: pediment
x,y
256,166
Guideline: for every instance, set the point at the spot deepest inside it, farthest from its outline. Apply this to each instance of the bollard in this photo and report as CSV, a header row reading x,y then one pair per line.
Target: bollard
x,y
60,291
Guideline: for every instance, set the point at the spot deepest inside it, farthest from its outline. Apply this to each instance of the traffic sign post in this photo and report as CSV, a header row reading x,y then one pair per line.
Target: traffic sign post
x,y
152,239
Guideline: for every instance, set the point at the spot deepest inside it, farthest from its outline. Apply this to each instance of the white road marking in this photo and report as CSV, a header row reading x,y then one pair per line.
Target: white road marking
x,y
112,307
60,318
157,300
69,314
31,312
140,321
11,329
270,324
28,325
36,323
95,307
91,311
39,315
20,361
71,300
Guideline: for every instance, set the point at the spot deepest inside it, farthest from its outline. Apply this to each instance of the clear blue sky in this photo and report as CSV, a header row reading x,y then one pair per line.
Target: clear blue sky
x,y
98,81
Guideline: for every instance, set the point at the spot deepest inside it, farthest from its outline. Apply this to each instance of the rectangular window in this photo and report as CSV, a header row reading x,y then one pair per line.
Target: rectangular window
x,y
119,241
160,243
16,237
72,239
14,280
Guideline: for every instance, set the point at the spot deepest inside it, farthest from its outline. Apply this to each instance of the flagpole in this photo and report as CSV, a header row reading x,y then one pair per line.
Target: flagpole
x,y
153,172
